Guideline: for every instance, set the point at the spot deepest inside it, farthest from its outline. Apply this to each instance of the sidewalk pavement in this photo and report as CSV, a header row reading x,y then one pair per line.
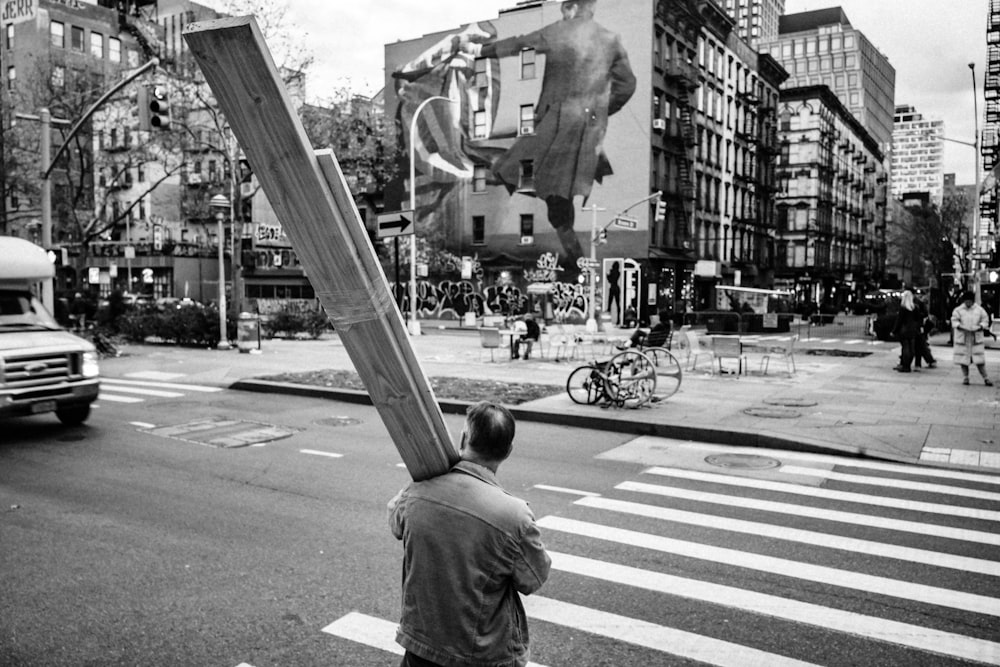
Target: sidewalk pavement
x,y
848,405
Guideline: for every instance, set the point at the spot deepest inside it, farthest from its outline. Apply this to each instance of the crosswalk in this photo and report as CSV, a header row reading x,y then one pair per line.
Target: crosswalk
x,y
871,562
128,391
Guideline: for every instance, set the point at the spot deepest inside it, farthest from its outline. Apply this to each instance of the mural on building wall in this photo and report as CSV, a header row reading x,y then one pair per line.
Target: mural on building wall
x,y
557,155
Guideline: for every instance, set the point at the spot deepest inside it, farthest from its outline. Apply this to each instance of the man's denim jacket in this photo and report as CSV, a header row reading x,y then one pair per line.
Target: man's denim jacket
x,y
469,548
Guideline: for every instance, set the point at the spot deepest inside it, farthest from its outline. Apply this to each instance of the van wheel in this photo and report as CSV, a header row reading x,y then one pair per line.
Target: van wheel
x,y
73,416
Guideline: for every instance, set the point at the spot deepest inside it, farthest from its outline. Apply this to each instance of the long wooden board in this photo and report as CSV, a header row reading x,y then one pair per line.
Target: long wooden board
x,y
317,212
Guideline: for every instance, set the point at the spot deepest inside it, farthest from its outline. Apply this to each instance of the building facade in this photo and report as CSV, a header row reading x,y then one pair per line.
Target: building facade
x,y
684,193
821,47
756,20
917,154
832,203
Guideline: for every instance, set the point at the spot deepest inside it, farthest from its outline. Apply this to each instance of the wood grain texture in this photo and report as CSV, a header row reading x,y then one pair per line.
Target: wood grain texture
x,y
311,199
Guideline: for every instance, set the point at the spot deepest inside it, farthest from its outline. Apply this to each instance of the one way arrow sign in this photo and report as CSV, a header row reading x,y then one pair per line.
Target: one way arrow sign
x,y
393,224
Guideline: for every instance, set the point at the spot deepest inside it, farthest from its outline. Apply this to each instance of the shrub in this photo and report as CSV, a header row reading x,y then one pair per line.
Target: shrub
x,y
291,322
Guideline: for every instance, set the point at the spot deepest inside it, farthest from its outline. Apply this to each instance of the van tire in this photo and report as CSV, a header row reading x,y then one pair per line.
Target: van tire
x,y
73,416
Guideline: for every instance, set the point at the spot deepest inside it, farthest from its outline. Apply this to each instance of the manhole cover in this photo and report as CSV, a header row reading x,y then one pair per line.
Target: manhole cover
x,y
748,461
772,413
338,421
224,433
791,402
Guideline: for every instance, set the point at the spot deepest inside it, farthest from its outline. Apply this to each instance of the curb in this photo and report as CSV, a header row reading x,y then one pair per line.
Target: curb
x,y
760,439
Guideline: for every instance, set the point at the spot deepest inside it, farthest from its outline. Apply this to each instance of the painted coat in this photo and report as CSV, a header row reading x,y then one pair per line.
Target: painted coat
x,y
970,346
587,78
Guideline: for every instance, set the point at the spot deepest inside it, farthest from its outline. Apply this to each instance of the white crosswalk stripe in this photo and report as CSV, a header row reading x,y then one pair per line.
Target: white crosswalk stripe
x,y
893,602
119,390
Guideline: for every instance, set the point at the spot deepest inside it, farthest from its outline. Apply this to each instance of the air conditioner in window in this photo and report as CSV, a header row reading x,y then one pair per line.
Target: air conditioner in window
x,y
527,240
659,124
527,130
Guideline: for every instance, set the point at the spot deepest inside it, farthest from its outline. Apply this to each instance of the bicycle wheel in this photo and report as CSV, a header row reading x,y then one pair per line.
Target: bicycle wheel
x,y
630,379
585,385
668,371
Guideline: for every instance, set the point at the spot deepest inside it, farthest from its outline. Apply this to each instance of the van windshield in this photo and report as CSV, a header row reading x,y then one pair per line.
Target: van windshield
x,y
20,310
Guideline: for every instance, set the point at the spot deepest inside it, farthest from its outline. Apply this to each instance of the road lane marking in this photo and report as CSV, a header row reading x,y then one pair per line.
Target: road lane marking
x,y
316,452
866,583
560,489
812,538
869,627
652,636
829,494
893,483
165,385
854,518
101,396
139,390
371,631
143,424
154,375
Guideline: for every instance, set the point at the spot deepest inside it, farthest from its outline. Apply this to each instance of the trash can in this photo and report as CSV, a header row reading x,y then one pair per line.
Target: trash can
x,y
248,333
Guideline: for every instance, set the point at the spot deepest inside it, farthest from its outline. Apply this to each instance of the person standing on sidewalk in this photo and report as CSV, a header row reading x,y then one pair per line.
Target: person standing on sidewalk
x,y
968,322
469,548
922,350
906,330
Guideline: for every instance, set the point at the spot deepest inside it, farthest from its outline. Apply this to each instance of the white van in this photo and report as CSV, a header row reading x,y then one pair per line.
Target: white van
x,y
43,367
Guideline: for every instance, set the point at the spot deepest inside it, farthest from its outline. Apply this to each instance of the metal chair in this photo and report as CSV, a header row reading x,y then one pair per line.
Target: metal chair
x,y
695,347
786,352
489,339
727,347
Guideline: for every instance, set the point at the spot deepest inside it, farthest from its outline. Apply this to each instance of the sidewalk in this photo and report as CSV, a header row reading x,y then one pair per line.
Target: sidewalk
x,y
855,406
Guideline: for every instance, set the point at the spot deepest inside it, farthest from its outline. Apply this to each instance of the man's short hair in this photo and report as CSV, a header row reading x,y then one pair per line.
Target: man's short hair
x,y
490,429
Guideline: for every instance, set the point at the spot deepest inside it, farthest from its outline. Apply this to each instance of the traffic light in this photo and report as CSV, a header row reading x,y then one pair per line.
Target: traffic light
x,y
661,211
603,237
154,107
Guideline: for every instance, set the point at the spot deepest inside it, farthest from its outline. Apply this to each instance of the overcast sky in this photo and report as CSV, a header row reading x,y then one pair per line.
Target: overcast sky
x,y
929,42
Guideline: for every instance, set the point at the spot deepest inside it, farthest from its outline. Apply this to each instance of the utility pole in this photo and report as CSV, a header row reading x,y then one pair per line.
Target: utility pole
x,y
592,267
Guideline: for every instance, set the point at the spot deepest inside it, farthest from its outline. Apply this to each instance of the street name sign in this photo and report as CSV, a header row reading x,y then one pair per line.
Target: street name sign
x,y
627,221
18,11
980,256
397,223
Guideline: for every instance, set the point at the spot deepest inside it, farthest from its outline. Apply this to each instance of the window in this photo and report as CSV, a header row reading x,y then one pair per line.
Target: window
x,y
57,34
478,230
482,80
479,125
527,179
10,35
527,224
114,49
76,41
97,45
11,77
526,124
133,58
58,77
528,64
479,178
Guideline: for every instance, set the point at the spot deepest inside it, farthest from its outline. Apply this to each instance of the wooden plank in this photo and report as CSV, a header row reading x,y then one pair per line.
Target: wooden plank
x,y
317,212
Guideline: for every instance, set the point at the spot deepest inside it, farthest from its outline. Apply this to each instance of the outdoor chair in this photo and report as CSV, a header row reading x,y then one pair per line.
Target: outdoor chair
x,y
565,343
727,347
658,339
489,339
786,352
695,346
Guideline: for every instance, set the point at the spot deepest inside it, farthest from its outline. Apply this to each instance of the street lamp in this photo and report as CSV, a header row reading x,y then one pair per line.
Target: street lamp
x,y
219,204
414,324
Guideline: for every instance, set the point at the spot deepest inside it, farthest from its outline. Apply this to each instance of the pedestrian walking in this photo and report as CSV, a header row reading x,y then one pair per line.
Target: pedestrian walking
x,y
922,351
906,330
469,548
969,322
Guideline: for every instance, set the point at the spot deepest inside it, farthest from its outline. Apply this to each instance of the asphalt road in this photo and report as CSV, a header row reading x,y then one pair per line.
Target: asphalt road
x,y
157,535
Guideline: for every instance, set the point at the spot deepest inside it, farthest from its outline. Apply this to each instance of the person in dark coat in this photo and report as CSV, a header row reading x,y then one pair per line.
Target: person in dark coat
x,y
922,348
906,330
587,78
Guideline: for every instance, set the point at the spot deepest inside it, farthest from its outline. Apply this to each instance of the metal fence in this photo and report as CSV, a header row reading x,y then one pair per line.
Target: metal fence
x,y
816,326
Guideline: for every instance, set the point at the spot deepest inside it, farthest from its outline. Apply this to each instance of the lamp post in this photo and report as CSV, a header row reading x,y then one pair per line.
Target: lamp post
x,y
219,204
974,263
414,324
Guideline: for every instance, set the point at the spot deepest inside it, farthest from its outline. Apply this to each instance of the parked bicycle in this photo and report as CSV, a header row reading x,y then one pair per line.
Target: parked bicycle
x,y
628,380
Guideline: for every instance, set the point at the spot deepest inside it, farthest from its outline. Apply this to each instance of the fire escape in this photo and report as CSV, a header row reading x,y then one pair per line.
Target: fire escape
x,y
684,76
990,146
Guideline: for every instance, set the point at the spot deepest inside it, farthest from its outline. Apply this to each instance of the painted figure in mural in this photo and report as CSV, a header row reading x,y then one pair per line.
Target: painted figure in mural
x,y
614,298
587,78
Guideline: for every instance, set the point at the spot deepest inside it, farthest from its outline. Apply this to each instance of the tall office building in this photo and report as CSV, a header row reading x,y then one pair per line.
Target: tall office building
x,y
917,154
821,47
756,20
